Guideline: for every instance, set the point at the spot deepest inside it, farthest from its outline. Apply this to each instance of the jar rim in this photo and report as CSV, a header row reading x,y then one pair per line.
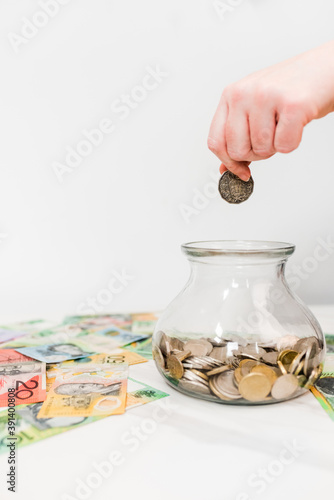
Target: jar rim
x,y
238,248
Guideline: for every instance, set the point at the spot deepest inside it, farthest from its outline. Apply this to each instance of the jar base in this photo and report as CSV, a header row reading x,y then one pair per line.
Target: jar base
x,y
237,402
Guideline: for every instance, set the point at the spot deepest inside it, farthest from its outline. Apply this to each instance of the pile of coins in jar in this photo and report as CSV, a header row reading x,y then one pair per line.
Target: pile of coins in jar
x,y
237,370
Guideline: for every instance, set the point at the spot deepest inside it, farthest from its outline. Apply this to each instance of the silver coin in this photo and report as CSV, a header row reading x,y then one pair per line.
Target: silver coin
x,y
198,347
234,190
225,384
284,387
193,386
189,375
270,357
219,353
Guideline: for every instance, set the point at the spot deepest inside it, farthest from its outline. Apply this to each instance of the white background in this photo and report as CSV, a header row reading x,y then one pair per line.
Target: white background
x,y
120,208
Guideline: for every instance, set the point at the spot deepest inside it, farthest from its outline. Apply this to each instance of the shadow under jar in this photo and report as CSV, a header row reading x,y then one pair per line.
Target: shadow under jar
x,y
236,333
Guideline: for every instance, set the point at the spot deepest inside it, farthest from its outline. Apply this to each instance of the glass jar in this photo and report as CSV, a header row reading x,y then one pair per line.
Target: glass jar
x,y
236,333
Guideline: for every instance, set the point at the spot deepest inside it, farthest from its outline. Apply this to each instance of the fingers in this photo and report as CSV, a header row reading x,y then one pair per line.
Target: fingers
x,y
262,124
217,143
238,141
222,168
289,131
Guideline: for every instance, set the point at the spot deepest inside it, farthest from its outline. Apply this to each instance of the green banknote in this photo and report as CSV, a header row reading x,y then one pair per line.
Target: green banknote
x,y
330,342
30,429
324,388
143,348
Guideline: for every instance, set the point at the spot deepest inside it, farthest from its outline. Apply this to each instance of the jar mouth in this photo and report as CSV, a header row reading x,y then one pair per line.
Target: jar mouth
x,y
245,248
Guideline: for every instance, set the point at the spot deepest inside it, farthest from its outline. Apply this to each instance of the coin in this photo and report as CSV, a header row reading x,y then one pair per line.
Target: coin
x,y
190,375
255,387
282,367
310,353
246,367
316,372
200,374
284,387
158,357
164,343
212,385
226,386
218,353
175,367
267,371
181,355
237,375
176,343
193,386
198,347
287,342
299,368
270,357
220,369
223,386
295,363
234,190
217,367
287,356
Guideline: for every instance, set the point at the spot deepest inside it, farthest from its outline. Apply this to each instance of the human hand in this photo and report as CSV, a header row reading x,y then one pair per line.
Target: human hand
x,y
266,112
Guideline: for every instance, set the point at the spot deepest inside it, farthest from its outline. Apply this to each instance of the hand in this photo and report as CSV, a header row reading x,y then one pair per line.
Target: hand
x,y
266,112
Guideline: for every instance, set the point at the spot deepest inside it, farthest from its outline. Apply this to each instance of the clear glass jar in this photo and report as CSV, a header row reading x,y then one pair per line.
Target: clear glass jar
x,y
236,333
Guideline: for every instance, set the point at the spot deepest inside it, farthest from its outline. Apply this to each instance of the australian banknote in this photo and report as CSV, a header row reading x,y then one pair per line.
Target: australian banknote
x,y
30,429
91,390
324,387
56,353
25,381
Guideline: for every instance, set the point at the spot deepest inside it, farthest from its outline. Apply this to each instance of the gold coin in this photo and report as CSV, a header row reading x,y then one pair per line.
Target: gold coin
x,y
238,375
246,367
282,367
220,369
199,374
267,371
287,356
183,355
158,357
175,367
295,363
255,387
299,368
316,372
243,361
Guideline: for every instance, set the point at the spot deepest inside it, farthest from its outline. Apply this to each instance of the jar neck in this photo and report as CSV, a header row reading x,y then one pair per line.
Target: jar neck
x,y
238,272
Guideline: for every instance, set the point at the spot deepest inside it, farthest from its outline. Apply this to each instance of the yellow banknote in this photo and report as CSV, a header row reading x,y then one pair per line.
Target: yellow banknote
x,y
100,392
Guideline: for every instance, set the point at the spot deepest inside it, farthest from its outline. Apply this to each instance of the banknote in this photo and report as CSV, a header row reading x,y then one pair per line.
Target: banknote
x,y
141,394
95,323
103,342
8,356
114,357
27,432
26,380
330,342
82,394
6,335
143,348
324,387
143,322
57,335
15,330
30,429
56,353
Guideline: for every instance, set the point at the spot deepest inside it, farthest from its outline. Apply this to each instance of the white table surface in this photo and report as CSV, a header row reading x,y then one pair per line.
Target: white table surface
x,y
188,449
